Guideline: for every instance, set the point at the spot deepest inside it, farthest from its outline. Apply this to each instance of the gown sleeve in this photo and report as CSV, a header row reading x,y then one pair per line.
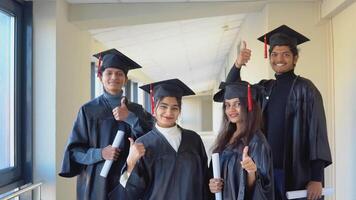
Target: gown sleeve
x,y
234,74
78,153
264,187
318,137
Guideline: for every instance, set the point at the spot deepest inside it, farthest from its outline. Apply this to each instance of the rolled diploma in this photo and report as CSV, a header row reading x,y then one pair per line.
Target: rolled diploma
x,y
303,193
216,172
107,165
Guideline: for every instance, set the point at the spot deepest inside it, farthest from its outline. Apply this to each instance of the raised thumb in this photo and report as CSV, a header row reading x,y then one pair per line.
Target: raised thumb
x,y
131,141
245,153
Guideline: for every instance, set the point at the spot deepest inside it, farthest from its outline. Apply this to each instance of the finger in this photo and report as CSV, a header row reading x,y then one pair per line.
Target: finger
x,y
245,153
131,141
123,104
243,46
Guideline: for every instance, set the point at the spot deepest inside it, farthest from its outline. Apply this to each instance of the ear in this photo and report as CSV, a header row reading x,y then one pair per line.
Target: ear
x,y
295,59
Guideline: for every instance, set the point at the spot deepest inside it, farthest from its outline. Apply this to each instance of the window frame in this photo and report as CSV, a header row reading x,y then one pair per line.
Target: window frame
x,y
21,173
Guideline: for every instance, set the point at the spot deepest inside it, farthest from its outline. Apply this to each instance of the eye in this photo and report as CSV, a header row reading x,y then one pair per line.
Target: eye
x,y
175,108
286,54
273,54
162,107
120,74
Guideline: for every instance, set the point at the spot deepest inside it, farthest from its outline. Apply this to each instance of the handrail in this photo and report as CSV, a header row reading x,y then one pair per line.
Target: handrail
x,y
23,190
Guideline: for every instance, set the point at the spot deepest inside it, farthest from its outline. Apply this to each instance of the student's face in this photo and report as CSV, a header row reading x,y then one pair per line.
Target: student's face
x,y
282,59
233,110
113,80
167,112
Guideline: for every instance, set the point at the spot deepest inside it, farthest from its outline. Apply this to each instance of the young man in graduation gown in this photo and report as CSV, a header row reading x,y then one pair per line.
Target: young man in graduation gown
x,y
169,162
94,130
294,116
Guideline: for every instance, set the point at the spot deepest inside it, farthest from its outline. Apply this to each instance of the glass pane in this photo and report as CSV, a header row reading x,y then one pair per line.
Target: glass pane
x,y
7,32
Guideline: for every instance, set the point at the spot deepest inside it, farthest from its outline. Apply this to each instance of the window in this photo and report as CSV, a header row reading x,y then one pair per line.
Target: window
x,y
16,94
7,27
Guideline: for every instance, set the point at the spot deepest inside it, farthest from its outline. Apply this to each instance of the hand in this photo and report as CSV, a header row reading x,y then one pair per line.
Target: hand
x,y
247,162
137,150
110,153
216,185
244,56
314,189
121,112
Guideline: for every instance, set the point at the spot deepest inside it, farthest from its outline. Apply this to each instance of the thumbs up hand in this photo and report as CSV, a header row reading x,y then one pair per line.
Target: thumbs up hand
x,y
137,150
247,162
244,56
121,112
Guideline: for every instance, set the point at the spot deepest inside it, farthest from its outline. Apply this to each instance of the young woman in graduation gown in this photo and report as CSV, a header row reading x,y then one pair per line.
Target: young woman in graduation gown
x,y
169,162
245,156
94,130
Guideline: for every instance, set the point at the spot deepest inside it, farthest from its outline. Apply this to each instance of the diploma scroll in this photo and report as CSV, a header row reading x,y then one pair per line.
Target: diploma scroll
x,y
303,193
107,165
216,172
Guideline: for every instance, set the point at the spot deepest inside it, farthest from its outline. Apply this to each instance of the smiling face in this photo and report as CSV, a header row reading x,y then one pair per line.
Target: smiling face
x,y
233,110
167,112
113,80
282,59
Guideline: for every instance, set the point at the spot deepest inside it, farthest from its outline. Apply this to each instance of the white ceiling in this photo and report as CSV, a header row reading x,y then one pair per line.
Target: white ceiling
x,y
149,1
192,50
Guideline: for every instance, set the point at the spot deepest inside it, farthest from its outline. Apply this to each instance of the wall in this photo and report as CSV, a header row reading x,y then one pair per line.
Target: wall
x,y
44,96
73,86
188,119
344,31
195,113
62,56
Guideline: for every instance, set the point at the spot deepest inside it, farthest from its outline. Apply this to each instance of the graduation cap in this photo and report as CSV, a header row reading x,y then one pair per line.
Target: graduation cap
x,y
282,35
240,89
167,88
113,58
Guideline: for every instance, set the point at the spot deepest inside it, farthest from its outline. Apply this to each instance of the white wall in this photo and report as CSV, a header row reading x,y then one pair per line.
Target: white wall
x,y
195,113
344,31
190,117
72,87
62,56
44,96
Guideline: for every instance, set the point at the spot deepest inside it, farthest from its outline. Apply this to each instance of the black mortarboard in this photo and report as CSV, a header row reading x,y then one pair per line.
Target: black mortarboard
x,y
239,89
282,35
115,59
167,88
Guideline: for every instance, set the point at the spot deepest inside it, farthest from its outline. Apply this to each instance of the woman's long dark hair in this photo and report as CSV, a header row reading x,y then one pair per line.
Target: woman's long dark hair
x,y
251,122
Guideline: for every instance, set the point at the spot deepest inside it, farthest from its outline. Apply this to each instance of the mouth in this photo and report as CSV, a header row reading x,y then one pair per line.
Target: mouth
x,y
168,118
280,64
114,83
234,115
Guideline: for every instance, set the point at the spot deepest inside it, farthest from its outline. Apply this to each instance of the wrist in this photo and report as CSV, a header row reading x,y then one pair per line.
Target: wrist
x,y
237,65
130,166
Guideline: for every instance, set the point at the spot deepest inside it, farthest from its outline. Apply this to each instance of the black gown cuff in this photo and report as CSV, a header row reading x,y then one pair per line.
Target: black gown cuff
x,y
317,169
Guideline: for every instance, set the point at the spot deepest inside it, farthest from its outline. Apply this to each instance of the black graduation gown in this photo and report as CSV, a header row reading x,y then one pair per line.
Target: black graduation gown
x,y
162,173
306,137
235,177
94,129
